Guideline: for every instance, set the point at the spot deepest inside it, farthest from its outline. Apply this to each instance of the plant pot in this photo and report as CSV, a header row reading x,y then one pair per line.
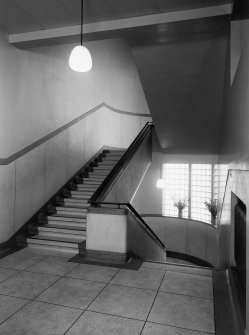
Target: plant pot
x,y
213,220
180,214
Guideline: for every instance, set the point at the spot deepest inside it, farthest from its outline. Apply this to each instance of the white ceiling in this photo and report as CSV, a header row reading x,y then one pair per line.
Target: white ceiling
x,y
18,16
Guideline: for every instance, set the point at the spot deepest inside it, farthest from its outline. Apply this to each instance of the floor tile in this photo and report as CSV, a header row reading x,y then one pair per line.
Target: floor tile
x,y
6,273
143,278
183,311
188,284
151,265
19,261
190,269
93,272
9,305
53,265
72,292
40,319
155,329
27,284
124,301
91,323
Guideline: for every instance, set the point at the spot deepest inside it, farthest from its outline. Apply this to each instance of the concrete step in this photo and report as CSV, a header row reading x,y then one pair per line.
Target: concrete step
x,y
70,214
92,182
79,192
82,203
41,243
51,250
76,204
87,188
57,233
56,240
64,218
80,197
66,225
68,210
103,168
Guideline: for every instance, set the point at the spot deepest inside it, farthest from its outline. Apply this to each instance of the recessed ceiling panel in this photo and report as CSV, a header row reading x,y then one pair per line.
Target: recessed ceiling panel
x,y
49,14
14,19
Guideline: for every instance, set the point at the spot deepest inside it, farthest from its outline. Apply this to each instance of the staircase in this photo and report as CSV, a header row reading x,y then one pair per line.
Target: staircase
x,y
62,227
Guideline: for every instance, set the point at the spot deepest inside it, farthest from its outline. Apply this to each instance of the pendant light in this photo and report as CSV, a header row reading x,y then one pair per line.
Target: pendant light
x,y
80,59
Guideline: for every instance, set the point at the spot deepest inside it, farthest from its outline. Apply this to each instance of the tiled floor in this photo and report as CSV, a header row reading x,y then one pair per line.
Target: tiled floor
x,y
45,295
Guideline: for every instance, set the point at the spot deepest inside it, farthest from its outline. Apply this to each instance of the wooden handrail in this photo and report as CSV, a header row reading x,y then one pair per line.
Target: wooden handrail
x,y
138,217
118,169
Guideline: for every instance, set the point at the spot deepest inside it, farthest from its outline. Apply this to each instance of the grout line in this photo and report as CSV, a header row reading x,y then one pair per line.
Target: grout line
x,y
202,332
92,302
153,302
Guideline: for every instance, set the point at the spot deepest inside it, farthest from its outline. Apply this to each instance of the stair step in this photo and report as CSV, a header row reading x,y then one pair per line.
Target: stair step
x,y
52,250
83,203
70,214
78,192
64,218
54,239
68,209
93,182
76,205
83,187
80,197
65,243
66,225
53,233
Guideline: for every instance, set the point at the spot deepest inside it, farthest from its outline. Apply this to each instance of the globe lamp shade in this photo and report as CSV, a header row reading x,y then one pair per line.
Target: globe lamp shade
x,y
80,59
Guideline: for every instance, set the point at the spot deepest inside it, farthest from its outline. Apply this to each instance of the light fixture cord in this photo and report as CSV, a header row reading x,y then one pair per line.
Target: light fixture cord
x,y
81,22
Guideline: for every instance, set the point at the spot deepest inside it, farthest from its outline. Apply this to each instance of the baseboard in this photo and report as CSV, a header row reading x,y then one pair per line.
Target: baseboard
x,y
189,258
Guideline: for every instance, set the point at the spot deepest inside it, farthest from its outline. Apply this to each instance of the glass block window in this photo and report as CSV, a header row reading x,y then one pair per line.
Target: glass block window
x,y
176,179
201,191
196,183
220,177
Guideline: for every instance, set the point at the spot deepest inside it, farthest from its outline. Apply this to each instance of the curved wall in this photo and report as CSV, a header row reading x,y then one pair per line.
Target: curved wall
x,y
190,237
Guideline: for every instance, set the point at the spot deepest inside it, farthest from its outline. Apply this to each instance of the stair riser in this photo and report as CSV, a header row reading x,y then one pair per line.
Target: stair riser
x,y
68,210
52,250
65,225
51,235
62,231
65,219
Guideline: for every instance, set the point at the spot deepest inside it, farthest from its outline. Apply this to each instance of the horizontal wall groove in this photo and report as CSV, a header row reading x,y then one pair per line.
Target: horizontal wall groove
x,y
32,146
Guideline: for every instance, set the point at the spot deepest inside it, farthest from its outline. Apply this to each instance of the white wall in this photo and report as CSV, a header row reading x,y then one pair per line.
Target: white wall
x,y
189,237
31,180
39,92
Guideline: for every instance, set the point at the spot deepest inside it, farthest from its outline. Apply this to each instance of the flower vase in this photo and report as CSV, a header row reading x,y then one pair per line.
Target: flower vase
x,y
180,214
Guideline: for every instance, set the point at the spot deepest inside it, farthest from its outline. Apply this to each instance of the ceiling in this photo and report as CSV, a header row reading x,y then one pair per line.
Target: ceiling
x,y
18,16
180,63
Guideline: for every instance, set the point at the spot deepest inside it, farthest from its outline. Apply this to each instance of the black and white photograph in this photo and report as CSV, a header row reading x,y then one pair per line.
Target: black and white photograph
x,y
124,167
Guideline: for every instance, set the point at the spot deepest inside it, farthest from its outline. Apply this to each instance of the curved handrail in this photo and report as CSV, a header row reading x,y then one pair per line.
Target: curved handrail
x,y
118,169
135,213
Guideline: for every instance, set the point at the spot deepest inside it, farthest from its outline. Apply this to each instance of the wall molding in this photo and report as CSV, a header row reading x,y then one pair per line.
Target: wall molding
x,y
32,146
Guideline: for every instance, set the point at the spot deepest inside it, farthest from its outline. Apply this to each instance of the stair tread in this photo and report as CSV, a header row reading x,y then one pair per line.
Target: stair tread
x,y
62,227
66,224
56,239
80,216
58,217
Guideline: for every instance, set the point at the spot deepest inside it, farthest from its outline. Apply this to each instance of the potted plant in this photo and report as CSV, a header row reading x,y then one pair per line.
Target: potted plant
x,y
212,208
180,204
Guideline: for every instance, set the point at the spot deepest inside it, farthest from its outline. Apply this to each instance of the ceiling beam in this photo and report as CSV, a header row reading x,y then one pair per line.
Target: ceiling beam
x,y
71,33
